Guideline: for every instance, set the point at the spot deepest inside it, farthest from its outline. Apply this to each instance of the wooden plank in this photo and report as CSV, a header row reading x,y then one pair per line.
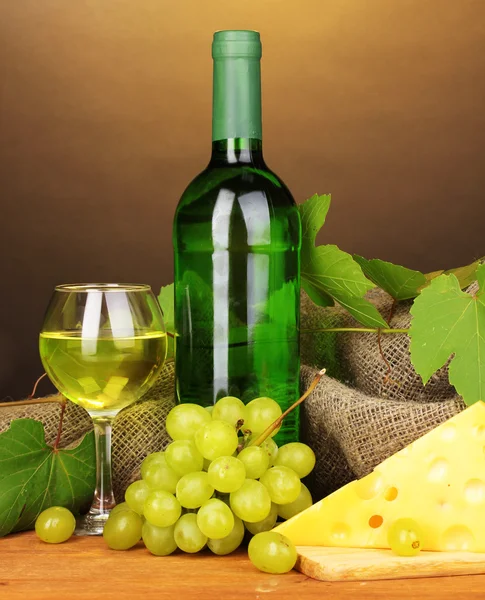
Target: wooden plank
x,y
85,569
359,564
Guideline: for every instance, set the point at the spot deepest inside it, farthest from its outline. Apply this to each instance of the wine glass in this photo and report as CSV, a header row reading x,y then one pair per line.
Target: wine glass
x,y
102,346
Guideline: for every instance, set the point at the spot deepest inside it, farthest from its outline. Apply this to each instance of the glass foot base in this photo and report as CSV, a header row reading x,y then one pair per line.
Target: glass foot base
x,y
91,524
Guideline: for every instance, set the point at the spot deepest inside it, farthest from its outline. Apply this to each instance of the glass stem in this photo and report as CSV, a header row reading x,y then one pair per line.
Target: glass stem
x,y
104,499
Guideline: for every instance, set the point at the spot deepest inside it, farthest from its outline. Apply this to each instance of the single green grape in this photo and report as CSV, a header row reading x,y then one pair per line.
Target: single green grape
x,y
159,541
261,413
162,508
304,501
136,494
251,502
215,439
226,474
184,420
229,543
154,457
159,476
272,552
183,457
266,524
296,456
119,507
55,525
122,530
269,446
194,489
229,409
188,537
256,461
405,537
283,484
215,519
272,449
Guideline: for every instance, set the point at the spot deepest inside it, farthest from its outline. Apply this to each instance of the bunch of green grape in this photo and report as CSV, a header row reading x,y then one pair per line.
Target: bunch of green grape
x,y
212,486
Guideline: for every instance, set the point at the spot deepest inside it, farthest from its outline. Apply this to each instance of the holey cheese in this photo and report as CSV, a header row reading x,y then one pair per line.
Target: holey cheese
x,y
438,480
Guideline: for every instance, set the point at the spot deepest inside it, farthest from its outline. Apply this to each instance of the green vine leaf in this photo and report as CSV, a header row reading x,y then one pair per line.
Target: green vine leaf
x,y
330,274
34,476
402,283
447,321
399,282
165,298
313,214
316,294
465,275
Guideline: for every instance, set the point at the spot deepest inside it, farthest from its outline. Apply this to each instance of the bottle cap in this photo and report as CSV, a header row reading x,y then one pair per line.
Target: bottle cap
x,y
236,44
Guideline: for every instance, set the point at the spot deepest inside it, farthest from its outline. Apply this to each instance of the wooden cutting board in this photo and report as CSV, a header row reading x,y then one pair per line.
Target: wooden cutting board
x,y
361,564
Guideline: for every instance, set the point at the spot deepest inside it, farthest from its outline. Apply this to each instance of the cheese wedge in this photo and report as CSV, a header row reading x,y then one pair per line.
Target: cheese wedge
x,y
438,480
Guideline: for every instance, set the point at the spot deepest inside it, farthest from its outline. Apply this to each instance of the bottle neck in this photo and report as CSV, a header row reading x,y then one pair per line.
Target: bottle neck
x,y
236,107
234,151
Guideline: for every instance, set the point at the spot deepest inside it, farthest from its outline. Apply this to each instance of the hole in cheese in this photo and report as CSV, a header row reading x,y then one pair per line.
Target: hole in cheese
x,y
479,431
474,491
438,470
448,432
459,537
391,494
340,532
369,487
376,521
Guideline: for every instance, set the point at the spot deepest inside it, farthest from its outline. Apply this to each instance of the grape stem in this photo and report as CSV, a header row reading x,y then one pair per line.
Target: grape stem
x,y
32,395
48,400
269,430
354,330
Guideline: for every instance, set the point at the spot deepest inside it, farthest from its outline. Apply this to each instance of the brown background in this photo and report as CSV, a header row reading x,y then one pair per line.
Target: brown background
x,y
105,117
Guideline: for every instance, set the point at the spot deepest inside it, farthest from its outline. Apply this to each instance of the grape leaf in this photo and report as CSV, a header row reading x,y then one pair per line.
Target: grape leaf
x,y
465,275
447,321
315,293
399,282
165,298
433,275
330,274
34,476
313,213
403,283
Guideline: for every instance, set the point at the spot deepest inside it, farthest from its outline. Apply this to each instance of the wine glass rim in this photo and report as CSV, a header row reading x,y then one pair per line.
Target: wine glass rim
x,y
103,287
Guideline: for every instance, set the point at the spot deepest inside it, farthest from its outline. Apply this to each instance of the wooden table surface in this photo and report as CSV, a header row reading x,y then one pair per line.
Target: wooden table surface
x,y
84,568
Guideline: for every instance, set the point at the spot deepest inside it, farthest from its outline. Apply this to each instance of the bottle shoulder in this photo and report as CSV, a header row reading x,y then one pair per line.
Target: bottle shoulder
x,y
238,180
237,207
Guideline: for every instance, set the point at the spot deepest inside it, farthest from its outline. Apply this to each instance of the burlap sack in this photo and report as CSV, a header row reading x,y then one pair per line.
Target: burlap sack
x,y
138,430
355,358
352,432
76,422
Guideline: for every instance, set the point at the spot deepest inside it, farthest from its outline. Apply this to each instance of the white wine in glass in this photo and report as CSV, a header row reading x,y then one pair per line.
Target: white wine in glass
x,y
102,346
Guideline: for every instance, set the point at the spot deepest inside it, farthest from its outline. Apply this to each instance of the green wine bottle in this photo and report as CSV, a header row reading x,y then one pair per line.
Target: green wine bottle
x,y
237,239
